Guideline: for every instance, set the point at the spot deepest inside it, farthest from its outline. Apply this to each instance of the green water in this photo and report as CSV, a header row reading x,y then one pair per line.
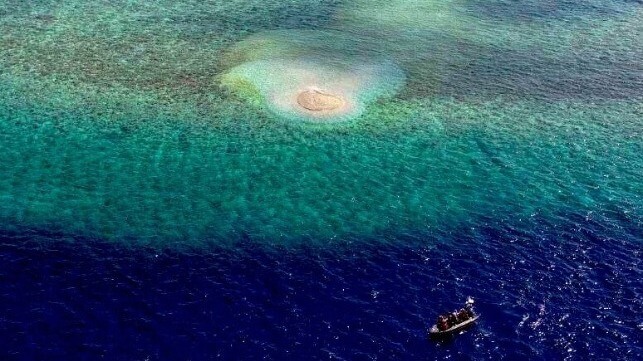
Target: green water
x,y
115,122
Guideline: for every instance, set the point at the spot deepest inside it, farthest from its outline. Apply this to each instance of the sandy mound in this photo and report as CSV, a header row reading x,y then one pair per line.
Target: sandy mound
x,y
319,101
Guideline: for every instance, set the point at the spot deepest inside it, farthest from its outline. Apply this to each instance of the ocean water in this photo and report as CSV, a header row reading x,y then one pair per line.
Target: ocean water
x,y
157,201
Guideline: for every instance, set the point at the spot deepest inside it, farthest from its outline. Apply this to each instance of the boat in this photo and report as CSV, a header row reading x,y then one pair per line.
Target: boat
x,y
462,324
434,332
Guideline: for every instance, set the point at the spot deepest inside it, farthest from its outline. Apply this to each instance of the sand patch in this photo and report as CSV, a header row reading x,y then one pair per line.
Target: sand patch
x,y
319,101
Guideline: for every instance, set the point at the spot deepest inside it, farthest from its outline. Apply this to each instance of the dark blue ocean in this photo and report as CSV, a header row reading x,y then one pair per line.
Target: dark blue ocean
x,y
550,292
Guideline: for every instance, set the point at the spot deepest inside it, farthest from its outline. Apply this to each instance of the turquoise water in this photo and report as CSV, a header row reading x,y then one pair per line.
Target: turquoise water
x,y
118,119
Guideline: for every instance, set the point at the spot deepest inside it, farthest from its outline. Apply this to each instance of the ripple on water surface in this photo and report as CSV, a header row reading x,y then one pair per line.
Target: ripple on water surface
x,y
544,291
164,193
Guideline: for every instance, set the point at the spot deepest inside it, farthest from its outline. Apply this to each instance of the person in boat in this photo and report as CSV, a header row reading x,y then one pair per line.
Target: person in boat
x,y
463,315
442,323
452,319
446,321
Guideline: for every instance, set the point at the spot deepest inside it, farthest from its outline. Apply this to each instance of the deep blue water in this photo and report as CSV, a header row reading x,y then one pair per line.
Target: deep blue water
x,y
546,291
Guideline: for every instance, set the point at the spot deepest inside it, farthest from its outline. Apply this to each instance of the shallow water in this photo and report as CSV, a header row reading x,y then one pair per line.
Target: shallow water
x,y
130,128
116,125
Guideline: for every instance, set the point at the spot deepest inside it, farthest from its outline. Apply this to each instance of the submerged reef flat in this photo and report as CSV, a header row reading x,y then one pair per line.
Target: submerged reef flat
x,y
148,177
164,46
488,49
183,122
